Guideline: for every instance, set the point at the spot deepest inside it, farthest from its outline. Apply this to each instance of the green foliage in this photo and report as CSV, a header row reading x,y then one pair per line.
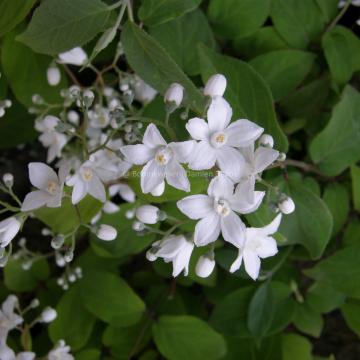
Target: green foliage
x,y
355,177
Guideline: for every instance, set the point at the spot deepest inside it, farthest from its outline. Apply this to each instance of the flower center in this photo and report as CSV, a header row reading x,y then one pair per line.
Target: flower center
x,y
218,139
52,187
222,207
163,156
87,174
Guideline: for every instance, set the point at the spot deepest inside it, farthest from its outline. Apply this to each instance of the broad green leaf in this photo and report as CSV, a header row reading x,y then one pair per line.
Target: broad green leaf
x,y
351,233
73,323
187,337
336,197
110,298
25,72
59,25
283,70
238,18
89,354
296,347
351,313
355,177
298,22
65,218
153,64
180,36
340,271
246,92
156,12
12,12
264,40
329,8
338,145
308,321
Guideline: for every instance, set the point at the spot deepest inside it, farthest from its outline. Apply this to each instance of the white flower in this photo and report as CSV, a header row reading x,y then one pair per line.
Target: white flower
x,y
162,160
8,354
9,320
88,180
218,139
60,352
175,249
124,190
53,75
143,92
174,94
258,245
216,211
48,315
204,266
106,232
8,230
287,206
215,86
76,56
50,187
148,214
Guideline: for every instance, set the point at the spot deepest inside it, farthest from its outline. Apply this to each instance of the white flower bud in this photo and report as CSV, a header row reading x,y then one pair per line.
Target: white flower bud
x,y
73,117
2,111
106,232
34,303
215,86
174,94
282,157
53,75
204,266
130,214
48,315
287,206
138,226
158,190
88,98
8,180
148,214
150,255
266,140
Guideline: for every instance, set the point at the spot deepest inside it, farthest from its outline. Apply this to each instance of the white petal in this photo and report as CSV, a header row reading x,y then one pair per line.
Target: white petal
x,y
204,156
75,56
242,133
237,263
41,174
198,129
79,192
181,261
152,175
267,248
169,247
137,154
183,150
231,162
110,208
241,204
252,263
176,176
247,190
126,193
233,229
207,230
96,189
221,186
152,137
219,114
273,227
35,199
158,190
196,206
264,157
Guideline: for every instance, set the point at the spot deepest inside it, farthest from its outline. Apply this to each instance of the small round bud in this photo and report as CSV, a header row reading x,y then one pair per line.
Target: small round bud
x,y
34,303
58,241
106,232
22,242
287,206
37,99
60,281
88,98
53,75
174,94
204,266
130,214
282,157
26,265
215,86
150,255
45,232
78,271
73,117
138,226
162,215
8,180
48,315
148,214
7,103
266,140
69,255
72,278
128,128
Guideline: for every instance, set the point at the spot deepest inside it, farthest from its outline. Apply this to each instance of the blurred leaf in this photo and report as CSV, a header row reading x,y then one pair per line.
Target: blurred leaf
x,y
180,36
88,354
60,25
156,12
246,92
308,321
355,177
110,298
351,313
12,12
187,337
329,8
283,70
153,64
337,146
73,323
351,233
238,18
296,347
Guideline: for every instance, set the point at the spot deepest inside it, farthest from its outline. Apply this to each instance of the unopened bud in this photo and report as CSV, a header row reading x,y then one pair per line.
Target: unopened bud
x,y
150,255
48,315
34,303
88,98
106,232
69,255
53,75
138,226
287,206
58,241
215,86
174,95
282,157
8,180
266,140
204,266
148,214
37,99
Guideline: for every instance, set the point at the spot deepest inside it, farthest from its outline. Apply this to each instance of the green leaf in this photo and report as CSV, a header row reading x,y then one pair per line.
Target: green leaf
x,y
283,70
65,218
298,22
73,323
296,347
238,18
12,12
355,177
351,313
187,337
338,145
153,64
88,354
336,197
180,36
329,8
156,12
246,92
110,298
308,321
340,271
25,72
59,25
351,233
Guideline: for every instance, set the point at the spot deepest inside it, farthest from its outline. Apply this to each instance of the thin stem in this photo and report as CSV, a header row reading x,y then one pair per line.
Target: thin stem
x,y
339,16
171,230
130,12
72,76
116,5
